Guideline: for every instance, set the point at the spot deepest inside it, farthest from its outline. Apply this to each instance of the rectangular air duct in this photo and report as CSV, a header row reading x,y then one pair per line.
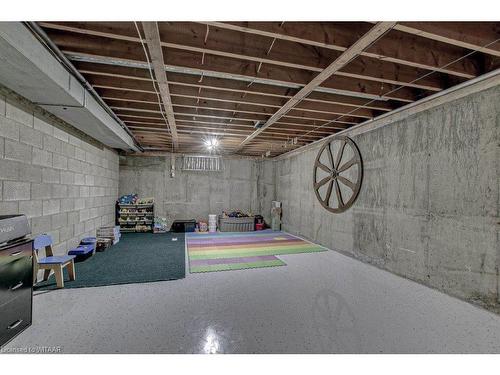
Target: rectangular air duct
x,y
28,68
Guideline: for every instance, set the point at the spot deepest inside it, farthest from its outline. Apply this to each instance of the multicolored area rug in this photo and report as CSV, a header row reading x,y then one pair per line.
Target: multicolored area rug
x,y
235,251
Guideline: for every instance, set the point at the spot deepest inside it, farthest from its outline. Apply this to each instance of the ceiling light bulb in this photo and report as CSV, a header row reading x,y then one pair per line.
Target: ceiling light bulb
x,y
211,143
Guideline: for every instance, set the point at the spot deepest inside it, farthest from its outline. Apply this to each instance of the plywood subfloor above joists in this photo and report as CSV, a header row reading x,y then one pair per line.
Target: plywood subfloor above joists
x,y
221,78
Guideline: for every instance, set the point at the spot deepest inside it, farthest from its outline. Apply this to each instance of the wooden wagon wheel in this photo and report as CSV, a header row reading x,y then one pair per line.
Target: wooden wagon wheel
x,y
335,171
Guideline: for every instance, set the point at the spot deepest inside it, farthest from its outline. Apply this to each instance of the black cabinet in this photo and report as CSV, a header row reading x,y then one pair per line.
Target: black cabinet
x,y
16,288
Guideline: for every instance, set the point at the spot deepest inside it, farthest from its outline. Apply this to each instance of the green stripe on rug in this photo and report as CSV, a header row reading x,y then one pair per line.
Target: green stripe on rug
x,y
237,266
271,250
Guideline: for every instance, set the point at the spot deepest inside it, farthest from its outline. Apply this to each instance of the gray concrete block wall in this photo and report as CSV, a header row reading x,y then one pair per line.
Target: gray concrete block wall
x,y
428,208
245,184
66,183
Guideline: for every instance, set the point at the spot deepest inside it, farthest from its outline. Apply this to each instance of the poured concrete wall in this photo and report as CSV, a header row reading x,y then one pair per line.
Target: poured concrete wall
x,y
64,182
428,205
245,184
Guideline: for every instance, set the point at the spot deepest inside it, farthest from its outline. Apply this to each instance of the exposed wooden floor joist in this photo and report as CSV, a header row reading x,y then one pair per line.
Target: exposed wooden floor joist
x,y
348,55
220,78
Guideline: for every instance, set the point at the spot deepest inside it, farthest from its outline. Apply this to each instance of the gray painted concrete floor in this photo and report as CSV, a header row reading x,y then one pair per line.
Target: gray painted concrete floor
x,y
318,303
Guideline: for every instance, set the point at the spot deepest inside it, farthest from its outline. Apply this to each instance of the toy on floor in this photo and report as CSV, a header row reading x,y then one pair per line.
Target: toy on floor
x,y
202,226
111,233
103,244
160,225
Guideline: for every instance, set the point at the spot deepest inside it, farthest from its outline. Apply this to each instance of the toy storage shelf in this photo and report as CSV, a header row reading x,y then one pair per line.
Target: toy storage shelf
x,y
136,217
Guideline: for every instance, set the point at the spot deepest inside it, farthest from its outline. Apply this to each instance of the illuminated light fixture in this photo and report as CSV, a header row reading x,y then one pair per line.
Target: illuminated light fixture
x,y
211,143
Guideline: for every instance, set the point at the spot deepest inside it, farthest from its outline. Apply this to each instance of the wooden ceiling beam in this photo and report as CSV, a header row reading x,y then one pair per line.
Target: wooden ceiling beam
x,y
138,124
156,54
204,100
277,138
117,52
312,108
130,93
325,130
132,110
284,124
351,53
224,87
187,101
471,35
247,80
139,110
395,47
218,131
190,37
218,68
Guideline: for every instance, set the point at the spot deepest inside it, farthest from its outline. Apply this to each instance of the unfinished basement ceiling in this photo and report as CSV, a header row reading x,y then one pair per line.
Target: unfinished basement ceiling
x,y
302,81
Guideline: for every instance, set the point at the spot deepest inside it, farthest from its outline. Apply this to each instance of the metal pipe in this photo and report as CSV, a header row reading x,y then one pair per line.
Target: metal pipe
x,y
56,52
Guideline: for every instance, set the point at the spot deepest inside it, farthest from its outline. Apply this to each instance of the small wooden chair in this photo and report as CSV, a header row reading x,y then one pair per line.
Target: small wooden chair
x,y
52,262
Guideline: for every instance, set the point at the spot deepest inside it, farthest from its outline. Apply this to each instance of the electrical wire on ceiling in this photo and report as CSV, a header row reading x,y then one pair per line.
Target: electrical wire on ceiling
x,y
153,82
398,88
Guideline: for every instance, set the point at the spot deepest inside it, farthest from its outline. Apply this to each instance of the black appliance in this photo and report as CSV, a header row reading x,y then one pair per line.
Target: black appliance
x,y
16,277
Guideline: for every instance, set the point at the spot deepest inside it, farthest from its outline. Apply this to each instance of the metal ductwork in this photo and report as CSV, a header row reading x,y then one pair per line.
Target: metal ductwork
x,y
30,69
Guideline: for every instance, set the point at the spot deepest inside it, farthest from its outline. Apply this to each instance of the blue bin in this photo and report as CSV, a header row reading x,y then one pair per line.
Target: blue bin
x,y
82,252
88,241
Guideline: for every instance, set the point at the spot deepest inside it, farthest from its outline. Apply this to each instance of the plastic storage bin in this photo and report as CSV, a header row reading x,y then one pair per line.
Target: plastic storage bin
x,y
181,226
237,224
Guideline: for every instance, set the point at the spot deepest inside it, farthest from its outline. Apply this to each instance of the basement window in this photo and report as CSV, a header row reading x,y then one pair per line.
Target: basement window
x,y
202,163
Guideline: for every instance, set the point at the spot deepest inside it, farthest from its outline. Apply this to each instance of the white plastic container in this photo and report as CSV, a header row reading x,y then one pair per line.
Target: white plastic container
x,y
212,228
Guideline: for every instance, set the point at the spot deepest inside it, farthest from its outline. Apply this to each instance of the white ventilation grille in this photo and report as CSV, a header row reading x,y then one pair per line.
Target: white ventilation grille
x,y
202,163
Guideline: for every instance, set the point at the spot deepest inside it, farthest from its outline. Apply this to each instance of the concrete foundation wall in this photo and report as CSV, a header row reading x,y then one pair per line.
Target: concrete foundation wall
x,y
63,181
429,203
245,184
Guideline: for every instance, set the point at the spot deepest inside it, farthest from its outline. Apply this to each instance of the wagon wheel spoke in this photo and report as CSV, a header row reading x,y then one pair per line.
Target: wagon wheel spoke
x,y
322,166
339,194
328,193
340,153
347,165
330,155
346,182
317,185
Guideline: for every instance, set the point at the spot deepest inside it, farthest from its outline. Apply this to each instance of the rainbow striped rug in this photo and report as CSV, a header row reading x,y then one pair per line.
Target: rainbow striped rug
x,y
235,251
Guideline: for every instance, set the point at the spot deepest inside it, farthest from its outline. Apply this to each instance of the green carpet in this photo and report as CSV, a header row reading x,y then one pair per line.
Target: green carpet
x,y
137,258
